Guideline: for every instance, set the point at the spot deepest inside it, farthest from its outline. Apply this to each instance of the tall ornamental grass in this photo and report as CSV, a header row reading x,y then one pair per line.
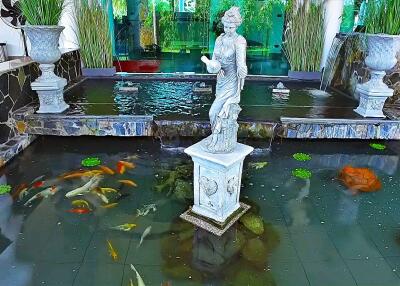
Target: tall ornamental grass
x,y
42,12
383,17
304,36
93,34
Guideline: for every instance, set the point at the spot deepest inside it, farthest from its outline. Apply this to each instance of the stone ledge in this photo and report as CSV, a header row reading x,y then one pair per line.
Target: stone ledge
x,y
14,146
65,124
310,128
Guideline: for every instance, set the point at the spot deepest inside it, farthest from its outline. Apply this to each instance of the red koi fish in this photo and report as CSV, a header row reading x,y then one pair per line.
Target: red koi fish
x,y
79,211
38,184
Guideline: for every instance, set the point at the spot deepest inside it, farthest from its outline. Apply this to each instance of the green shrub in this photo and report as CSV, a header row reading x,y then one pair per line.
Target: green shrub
x,y
383,17
42,12
93,34
304,36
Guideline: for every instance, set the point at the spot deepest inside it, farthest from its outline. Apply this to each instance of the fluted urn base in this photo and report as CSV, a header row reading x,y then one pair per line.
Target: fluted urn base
x,y
44,50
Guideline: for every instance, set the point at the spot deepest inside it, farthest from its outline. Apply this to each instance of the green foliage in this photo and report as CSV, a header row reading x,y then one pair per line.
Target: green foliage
x,y
383,17
304,36
256,14
42,12
301,173
119,8
377,146
5,189
93,34
301,157
168,28
91,162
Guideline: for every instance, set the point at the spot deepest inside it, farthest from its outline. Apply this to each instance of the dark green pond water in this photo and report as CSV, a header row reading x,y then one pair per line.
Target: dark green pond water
x,y
177,100
310,231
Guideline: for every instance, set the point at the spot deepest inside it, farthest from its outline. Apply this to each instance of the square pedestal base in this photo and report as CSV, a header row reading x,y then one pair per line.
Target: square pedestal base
x,y
211,225
51,95
217,181
372,101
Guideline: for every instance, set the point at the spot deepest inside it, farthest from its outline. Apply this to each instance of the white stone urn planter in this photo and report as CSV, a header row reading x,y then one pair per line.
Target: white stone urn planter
x,y
382,50
45,51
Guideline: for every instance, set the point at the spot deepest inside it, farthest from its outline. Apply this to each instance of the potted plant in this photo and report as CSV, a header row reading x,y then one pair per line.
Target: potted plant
x,y
94,38
304,39
382,29
42,17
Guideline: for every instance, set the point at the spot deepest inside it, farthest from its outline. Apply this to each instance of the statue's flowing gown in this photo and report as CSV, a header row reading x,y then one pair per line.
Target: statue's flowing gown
x,y
231,53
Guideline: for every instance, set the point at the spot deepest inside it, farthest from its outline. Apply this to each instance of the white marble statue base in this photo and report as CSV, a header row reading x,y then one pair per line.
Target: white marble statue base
x,y
217,179
372,99
50,91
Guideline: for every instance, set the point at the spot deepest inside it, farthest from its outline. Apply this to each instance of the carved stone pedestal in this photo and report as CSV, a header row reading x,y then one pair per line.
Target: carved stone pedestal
x,y
217,179
50,88
373,95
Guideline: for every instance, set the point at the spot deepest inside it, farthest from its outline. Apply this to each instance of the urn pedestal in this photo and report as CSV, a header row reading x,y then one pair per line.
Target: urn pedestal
x,y
382,50
217,180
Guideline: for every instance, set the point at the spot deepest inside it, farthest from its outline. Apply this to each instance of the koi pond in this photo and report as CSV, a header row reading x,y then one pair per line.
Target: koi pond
x,y
105,211
184,99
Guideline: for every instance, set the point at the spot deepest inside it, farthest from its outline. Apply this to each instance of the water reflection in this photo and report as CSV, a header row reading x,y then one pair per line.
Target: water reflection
x,y
12,270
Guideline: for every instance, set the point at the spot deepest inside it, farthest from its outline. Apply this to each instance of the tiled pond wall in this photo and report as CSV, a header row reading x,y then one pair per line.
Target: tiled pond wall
x,y
350,69
16,92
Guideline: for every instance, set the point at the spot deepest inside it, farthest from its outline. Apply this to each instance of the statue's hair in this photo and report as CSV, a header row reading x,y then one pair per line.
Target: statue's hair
x,y
232,16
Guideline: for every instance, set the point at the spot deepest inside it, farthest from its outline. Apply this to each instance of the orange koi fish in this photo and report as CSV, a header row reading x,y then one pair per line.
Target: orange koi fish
x,y
120,168
128,165
111,251
360,179
128,182
81,173
168,283
79,211
107,170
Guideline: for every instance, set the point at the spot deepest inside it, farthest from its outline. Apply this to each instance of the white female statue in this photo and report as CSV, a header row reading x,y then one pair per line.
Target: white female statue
x,y
229,63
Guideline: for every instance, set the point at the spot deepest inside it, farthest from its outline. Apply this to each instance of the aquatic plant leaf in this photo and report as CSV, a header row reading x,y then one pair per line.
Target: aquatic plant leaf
x,y
301,173
4,189
91,162
301,157
258,165
377,146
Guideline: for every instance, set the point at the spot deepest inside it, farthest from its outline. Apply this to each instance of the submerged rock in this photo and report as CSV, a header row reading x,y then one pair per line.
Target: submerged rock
x,y
253,222
246,276
181,271
183,189
255,251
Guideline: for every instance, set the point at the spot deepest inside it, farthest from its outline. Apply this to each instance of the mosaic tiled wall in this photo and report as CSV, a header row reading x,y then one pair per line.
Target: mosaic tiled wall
x,y
15,92
350,69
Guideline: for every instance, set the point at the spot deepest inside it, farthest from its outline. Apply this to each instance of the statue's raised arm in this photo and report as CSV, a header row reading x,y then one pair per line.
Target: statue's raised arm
x,y
229,63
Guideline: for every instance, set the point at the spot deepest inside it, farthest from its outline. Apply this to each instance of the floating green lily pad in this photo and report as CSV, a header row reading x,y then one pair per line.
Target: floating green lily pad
x,y
258,165
301,173
91,162
377,146
4,189
301,157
